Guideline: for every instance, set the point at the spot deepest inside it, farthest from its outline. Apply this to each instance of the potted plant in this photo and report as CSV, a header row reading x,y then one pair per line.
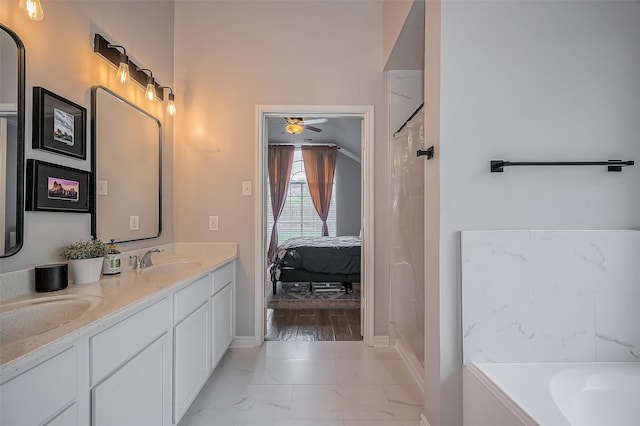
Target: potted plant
x,y
85,260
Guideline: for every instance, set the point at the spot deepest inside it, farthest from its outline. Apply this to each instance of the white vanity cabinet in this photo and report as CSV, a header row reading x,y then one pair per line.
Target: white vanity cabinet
x,y
222,305
43,394
143,366
192,337
204,318
131,370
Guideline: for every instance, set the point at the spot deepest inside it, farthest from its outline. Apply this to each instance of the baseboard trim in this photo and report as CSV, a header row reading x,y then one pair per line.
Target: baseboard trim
x,y
244,342
413,364
423,421
380,342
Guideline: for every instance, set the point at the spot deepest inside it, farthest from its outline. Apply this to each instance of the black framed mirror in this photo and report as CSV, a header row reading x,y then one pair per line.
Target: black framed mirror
x,y
126,157
12,99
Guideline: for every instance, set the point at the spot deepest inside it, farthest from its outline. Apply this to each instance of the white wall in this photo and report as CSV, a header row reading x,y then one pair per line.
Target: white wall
x,y
232,56
433,387
530,81
348,193
394,17
59,57
408,47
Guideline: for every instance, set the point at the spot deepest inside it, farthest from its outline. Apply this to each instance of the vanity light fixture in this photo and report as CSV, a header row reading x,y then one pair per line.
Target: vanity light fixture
x,y
150,91
32,9
116,54
171,105
123,68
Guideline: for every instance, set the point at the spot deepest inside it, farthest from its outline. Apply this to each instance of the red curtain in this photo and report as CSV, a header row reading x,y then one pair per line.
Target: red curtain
x,y
320,166
280,161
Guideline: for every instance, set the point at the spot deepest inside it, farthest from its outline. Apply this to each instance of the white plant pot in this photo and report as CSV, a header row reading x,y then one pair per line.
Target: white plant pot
x,y
84,271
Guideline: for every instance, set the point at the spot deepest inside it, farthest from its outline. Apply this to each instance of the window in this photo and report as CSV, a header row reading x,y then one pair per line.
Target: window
x,y
299,217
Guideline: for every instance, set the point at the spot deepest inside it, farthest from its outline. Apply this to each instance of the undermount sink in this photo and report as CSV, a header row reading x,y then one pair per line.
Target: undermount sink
x,y
162,268
29,318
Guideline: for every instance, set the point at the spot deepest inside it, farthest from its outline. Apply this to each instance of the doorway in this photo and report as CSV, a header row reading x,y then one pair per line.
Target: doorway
x,y
364,115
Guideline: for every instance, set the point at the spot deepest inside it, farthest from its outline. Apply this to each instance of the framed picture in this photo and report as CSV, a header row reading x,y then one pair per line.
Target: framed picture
x,y
59,125
51,187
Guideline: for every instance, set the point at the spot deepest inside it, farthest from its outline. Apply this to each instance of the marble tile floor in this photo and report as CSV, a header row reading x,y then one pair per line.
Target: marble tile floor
x,y
308,384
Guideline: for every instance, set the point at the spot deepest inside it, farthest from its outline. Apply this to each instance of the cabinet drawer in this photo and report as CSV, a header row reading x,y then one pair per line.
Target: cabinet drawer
x,y
114,346
191,297
223,276
39,393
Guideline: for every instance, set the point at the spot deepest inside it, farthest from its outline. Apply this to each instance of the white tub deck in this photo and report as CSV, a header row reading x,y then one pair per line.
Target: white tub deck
x,y
563,394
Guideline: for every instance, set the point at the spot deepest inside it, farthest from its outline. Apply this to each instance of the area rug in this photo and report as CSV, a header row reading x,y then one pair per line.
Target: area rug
x,y
300,296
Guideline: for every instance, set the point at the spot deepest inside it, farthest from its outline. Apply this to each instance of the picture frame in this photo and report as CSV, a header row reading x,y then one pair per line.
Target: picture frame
x,y
55,188
59,125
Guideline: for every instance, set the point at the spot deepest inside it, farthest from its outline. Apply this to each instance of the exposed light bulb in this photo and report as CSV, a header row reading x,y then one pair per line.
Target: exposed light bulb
x,y
123,72
123,68
32,9
150,93
171,105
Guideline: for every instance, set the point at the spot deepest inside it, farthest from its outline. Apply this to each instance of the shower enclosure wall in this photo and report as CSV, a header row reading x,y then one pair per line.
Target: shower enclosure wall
x,y
407,242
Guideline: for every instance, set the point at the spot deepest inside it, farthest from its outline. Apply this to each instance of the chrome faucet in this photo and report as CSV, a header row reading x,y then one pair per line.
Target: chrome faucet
x,y
145,260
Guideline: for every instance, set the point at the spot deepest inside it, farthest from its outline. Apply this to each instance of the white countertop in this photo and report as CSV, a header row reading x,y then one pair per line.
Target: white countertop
x,y
123,294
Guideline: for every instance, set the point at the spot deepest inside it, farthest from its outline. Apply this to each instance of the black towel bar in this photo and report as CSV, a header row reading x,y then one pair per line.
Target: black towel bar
x,y
497,166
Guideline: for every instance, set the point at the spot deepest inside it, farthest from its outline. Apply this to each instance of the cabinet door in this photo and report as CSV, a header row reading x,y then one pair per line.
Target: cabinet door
x,y
192,358
114,346
68,417
139,392
222,322
41,392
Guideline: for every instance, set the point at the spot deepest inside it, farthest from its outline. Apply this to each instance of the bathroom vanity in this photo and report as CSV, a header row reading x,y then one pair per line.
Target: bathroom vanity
x,y
139,350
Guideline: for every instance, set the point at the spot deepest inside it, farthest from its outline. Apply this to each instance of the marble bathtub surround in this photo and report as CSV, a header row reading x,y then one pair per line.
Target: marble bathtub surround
x,y
304,384
120,294
550,296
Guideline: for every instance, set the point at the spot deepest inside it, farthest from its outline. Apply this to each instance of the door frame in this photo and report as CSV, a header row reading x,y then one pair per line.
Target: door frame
x,y
366,112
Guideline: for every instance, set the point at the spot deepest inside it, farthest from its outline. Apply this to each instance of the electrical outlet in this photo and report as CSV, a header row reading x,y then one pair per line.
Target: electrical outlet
x,y
246,188
213,223
134,223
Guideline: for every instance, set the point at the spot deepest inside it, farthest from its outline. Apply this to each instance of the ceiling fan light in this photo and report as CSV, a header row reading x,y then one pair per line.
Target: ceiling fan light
x,y
294,129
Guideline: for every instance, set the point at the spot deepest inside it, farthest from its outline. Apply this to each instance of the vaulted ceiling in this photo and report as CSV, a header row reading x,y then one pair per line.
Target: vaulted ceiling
x,y
342,131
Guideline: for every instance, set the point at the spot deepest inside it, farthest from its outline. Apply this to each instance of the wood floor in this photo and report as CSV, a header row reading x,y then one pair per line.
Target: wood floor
x,y
309,325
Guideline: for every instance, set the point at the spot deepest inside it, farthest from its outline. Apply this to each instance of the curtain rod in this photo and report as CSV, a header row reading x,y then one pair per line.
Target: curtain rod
x,y
409,119
305,144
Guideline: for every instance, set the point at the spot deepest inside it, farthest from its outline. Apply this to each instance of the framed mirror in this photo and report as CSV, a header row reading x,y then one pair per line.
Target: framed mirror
x,y
126,159
12,71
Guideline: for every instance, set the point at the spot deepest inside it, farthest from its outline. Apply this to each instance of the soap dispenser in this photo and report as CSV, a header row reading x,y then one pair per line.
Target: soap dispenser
x,y
112,260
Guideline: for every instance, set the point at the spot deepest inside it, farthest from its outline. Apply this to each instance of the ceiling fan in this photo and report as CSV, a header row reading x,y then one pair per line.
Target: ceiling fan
x,y
295,125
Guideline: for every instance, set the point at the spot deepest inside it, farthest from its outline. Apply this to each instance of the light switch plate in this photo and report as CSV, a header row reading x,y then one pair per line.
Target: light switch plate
x,y
213,223
246,188
101,187
134,223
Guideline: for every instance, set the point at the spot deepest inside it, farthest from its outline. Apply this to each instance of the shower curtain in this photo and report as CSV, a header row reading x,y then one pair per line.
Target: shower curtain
x,y
407,239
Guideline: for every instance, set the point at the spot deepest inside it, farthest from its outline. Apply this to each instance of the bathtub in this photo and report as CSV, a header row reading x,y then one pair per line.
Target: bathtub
x,y
567,394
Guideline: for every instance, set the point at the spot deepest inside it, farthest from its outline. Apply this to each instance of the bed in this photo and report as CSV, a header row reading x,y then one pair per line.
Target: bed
x,y
317,259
